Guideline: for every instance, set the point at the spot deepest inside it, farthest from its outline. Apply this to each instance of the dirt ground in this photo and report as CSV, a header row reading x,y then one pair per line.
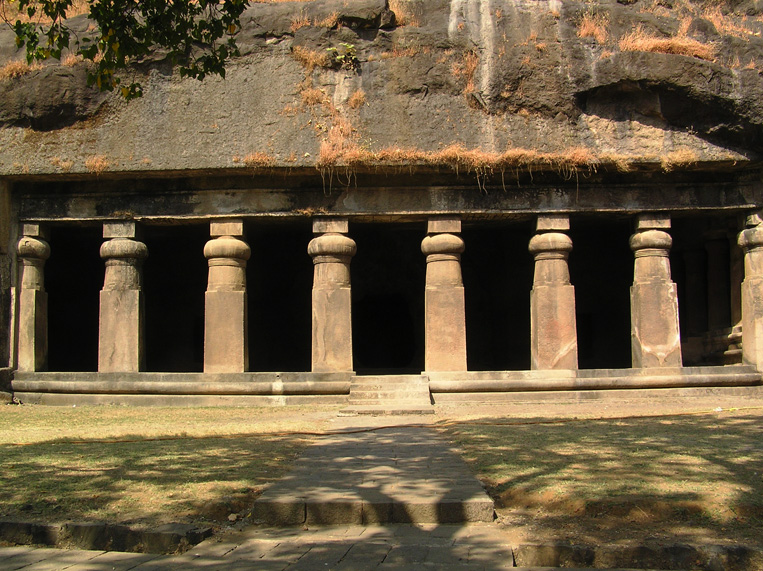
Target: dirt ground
x,y
690,470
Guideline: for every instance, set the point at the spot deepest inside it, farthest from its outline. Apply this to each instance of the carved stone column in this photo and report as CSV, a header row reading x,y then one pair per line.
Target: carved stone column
x,y
445,318
226,347
655,334
553,335
751,240
332,252
121,326
32,250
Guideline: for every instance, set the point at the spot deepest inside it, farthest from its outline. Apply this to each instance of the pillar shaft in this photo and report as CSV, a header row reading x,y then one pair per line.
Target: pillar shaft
x,y
751,240
332,252
121,322
226,346
553,329
444,308
33,251
655,334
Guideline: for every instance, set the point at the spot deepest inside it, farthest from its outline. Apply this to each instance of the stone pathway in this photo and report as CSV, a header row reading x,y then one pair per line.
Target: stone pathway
x,y
395,475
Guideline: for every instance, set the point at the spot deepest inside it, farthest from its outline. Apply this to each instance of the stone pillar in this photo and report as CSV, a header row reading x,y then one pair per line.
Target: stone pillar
x,y
445,318
655,334
553,331
120,332
332,251
32,250
751,240
226,346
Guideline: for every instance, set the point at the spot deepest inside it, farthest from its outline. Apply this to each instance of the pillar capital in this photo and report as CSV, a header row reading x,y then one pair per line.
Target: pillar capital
x,y
550,246
651,243
33,248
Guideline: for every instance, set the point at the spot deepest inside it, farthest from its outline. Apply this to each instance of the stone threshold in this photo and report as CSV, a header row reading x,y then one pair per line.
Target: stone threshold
x,y
593,379
168,538
183,383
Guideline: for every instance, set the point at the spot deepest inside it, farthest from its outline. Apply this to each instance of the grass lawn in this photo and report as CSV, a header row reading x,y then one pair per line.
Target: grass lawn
x,y
143,466
698,478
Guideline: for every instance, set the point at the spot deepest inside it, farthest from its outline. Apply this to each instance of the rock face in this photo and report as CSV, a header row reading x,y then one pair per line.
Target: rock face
x,y
321,82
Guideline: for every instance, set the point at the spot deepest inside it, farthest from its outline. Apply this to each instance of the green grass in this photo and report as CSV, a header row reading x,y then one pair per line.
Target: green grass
x,y
143,466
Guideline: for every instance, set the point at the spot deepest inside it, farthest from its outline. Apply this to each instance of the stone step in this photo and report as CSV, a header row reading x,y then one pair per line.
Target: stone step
x,y
402,394
373,408
387,380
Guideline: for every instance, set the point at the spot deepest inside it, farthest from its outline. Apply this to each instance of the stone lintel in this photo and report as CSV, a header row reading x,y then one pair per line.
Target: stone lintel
x,y
553,222
336,224
122,229
652,221
444,225
226,227
34,230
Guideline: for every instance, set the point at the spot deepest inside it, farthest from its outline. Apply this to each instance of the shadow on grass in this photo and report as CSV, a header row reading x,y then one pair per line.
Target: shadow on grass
x,y
693,478
141,481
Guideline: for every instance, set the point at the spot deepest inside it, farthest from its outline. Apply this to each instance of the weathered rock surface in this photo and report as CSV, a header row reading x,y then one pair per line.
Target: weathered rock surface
x,y
487,75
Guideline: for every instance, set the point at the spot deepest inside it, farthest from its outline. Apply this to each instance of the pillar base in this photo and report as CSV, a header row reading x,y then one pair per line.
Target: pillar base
x,y
225,324
445,329
655,337
332,330
554,329
33,330
120,337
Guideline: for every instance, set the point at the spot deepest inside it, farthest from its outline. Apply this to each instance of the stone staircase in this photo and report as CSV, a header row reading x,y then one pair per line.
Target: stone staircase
x,y
389,394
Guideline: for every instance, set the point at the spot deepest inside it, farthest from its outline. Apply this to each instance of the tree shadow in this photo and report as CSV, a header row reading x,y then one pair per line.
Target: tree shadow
x,y
680,478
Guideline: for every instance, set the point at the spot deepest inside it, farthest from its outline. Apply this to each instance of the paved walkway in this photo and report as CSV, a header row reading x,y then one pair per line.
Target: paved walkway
x,y
394,475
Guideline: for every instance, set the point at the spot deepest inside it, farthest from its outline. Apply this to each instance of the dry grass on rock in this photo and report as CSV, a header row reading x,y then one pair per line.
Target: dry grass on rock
x,y
14,69
310,59
594,26
641,41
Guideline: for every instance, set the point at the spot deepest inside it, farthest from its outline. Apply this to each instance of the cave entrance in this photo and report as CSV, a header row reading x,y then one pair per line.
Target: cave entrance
x,y
388,279
279,279
73,280
601,269
498,274
174,281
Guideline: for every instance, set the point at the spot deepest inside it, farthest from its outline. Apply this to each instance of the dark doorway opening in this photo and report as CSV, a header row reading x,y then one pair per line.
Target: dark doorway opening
x,y
601,269
279,283
73,280
498,273
388,280
174,282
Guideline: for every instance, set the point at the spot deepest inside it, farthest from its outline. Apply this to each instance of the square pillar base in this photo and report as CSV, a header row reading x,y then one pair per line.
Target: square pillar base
x,y
332,330
33,330
120,343
445,329
226,347
554,343
655,337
